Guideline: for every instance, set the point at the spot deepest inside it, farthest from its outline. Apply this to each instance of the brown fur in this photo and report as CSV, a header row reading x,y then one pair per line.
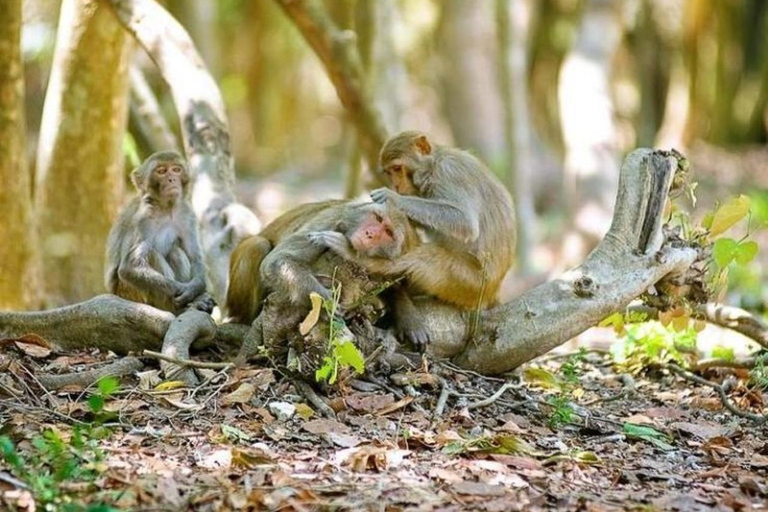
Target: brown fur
x,y
283,251
466,211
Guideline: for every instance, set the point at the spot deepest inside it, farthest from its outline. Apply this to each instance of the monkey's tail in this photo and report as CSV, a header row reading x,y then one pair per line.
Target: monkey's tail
x,y
245,292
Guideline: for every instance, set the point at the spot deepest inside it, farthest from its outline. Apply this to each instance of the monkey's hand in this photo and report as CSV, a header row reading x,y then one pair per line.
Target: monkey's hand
x,y
204,303
334,241
410,330
187,292
383,195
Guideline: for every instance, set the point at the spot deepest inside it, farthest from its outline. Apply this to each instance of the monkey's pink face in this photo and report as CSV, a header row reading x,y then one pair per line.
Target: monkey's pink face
x,y
168,179
376,236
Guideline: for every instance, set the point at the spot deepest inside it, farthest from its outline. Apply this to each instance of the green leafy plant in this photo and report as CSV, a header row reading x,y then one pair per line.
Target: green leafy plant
x,y
649,435
758,376
562,412
55,459
342,352
651,343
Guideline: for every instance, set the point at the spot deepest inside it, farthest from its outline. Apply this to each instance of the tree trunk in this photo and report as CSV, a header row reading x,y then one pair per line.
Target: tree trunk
x,y
468,77
589,131
80,159
223,221
513,19
18,287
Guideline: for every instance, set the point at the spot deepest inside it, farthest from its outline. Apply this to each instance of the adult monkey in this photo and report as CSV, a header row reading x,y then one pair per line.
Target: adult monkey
x,y
154,254
283,252
466,212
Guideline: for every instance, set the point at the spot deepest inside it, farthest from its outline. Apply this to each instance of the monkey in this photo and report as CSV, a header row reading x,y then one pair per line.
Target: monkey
x,y
284,250
285,260
465,211
154,254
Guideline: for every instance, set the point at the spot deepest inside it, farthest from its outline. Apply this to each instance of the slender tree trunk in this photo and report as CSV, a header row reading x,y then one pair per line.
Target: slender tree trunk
x,y
17,263
513,19
80,159
589,131
468,77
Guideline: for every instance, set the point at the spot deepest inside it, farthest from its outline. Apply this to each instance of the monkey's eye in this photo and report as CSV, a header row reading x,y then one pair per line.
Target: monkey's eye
x,y
176,169
378,217
160,170
390,233
397,168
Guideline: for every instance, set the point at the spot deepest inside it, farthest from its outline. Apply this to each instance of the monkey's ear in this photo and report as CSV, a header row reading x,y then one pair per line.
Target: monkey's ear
x,y
137,178
422,145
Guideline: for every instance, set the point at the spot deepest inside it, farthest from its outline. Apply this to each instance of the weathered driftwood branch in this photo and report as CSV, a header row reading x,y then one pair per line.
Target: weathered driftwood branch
x,y
338,52
626,263
223,221
109,323
188,327
124,366
147,116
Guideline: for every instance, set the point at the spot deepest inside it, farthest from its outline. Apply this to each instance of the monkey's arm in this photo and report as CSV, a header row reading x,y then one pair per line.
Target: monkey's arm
x,y
288,269
190,244
443,216
136,269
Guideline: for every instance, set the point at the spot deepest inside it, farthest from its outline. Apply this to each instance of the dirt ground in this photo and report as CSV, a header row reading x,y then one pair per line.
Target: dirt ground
x,y
567,433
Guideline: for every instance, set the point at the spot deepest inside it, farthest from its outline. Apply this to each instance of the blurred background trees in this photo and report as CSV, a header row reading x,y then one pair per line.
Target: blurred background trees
x,y
551,93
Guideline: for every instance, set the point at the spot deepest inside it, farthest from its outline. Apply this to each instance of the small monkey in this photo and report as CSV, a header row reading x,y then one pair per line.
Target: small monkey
x,y
153,251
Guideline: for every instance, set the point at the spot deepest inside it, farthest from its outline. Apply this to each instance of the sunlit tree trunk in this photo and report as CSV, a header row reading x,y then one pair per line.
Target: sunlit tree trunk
x,y
17,269
513,20
468,77
589,130
80,163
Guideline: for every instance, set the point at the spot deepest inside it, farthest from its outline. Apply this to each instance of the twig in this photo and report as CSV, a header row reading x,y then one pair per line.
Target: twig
x,y
124,366
442,400
491,399
309,393
757,418
189,362
706,364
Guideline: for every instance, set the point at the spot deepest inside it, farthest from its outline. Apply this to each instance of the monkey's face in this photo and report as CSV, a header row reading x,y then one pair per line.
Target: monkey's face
x,y
168,180
400,178
376,236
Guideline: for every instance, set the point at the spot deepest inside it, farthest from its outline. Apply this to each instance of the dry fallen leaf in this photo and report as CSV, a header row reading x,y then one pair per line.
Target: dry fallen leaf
x,y
242,395
314,315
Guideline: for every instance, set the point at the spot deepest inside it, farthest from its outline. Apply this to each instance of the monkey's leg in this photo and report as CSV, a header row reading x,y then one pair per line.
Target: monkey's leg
x,y
408,324
457,279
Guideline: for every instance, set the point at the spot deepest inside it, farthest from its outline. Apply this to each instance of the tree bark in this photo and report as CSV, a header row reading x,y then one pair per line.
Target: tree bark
x,y
468,67
18,284
223,221
147,116
589,131
80,159
338,53
513,19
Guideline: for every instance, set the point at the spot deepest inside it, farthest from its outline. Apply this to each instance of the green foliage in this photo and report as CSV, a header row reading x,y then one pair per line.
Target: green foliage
x,y
342,352
651,343
758,376
724,353
648,434
54,460
562,412
496,443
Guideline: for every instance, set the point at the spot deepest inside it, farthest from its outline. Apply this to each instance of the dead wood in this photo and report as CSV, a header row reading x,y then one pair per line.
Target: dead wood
x,y
124,366
189,326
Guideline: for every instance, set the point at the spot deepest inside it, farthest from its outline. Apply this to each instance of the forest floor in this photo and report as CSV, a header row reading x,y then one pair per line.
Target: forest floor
x,y
566,433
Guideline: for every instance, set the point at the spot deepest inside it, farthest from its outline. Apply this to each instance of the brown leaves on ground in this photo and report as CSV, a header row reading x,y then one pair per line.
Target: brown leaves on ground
x,y
247,439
